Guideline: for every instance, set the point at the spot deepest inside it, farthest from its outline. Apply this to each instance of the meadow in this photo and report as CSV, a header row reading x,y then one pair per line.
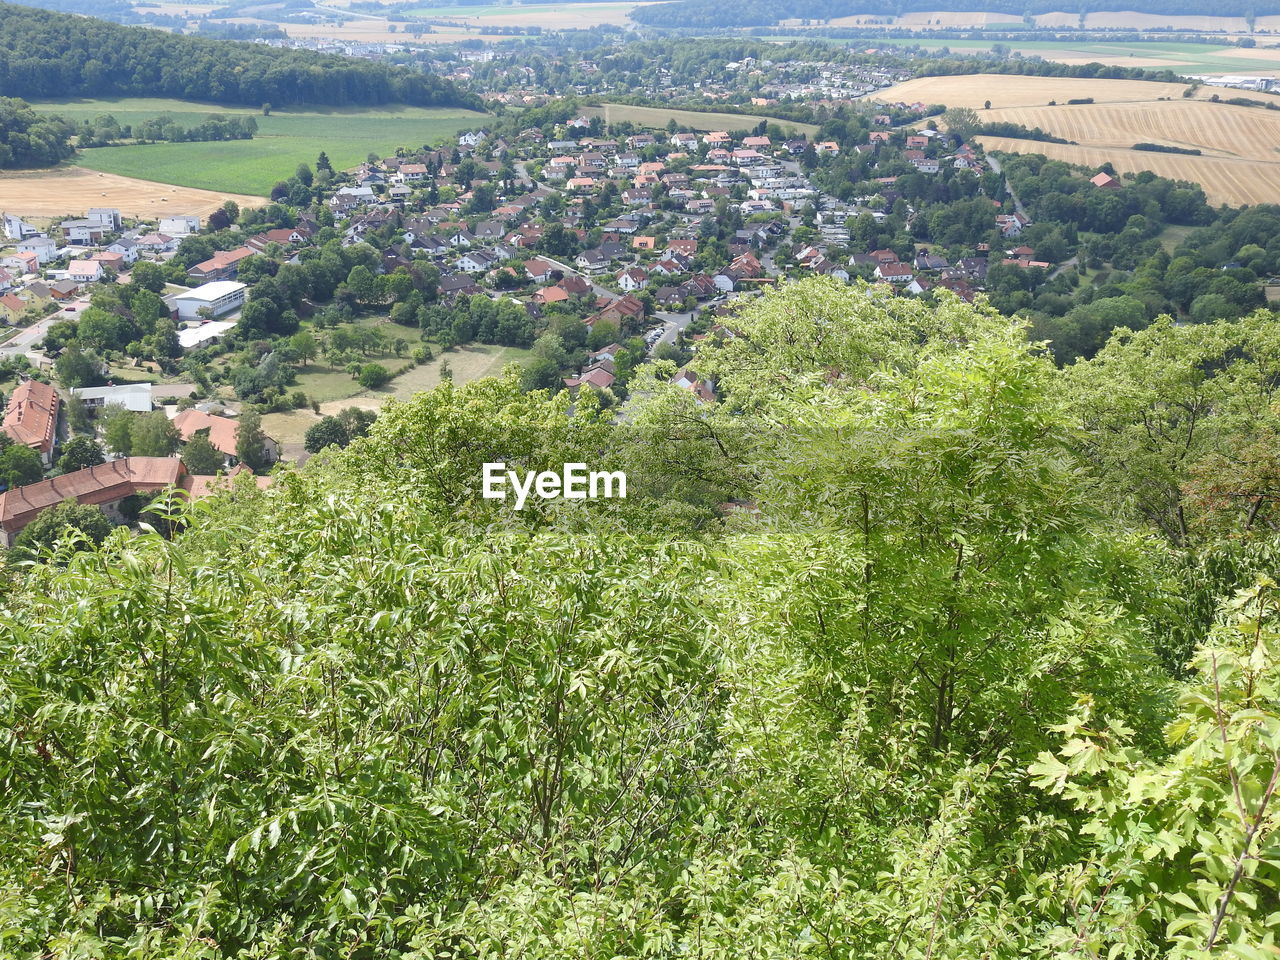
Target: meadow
x,y
284,139
658,117
974,90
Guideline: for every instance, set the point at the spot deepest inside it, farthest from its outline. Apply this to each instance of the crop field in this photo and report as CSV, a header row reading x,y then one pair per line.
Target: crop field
x,y
1224,180
1217,129
552,16
1184,58
657,118
284,139
70,191
1013,91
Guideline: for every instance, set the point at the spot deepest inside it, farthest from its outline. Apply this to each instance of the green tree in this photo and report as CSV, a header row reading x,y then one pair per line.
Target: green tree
x,y
19,464
200,457
79,453
57,524
153,435
251,441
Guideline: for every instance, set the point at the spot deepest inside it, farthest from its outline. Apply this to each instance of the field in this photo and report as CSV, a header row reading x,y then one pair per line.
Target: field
x,y
1013,91
336,390
285,138
657,117
70,191
1183,58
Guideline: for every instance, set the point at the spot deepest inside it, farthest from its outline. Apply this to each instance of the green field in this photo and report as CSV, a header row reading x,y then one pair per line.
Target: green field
x,y
1184,58
285,138
657,117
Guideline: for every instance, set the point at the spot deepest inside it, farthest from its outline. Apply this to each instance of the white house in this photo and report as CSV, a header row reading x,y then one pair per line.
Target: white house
x,y
219,296
180,225
126,247
132,396
192,338
44,248
16,228
477,261
106,217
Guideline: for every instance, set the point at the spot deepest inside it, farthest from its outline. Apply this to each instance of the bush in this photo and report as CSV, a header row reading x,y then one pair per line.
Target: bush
x,y
373,375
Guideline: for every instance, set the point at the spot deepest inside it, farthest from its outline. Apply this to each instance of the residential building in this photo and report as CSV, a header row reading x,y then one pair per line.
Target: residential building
x,y
31,418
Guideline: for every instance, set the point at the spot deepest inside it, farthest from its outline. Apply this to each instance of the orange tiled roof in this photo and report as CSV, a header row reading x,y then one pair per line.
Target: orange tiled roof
x,y
32,415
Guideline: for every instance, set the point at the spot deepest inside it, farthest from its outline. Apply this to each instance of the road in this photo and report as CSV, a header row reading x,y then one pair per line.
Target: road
x,y
995,166
24,341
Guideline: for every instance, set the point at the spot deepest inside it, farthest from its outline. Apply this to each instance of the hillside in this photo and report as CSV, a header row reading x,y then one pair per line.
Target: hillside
x,y
51,54
957,691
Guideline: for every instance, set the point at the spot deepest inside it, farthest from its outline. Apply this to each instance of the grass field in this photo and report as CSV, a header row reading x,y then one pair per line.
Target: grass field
x,y
657,118
285,138
335,389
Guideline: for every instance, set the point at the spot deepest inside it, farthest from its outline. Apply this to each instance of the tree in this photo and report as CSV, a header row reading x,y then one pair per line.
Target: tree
x,y
373,375
327,432
117,429
79,453
75,368
251,441
19,464
55,524
304,175
153,435
962,122
201,457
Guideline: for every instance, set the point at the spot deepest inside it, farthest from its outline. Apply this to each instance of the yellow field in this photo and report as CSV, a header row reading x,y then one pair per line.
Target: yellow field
x,y
1215,128
1224,180
1015,91
71,191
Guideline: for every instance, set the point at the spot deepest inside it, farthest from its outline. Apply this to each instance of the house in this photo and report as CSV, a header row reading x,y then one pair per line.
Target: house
x,y
132,396
153,244
477,261
43,247
221,432
15,228
575,286
539,269
458,285
180,225
63,290
685,247
12,307
31,418
126,247
894,272
106,217
592,261
104,486
704,390
1105,181
217,297
84,271
757,143
596,376
643,243
632,279
108,260
223,265
624,311
550,295
83,233
683,141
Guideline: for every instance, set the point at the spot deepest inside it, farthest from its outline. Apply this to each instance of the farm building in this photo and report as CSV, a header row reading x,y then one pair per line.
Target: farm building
x,y
132,396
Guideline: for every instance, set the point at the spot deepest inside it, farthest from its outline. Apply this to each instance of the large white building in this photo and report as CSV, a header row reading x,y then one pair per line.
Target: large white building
x,y
220,297
180,225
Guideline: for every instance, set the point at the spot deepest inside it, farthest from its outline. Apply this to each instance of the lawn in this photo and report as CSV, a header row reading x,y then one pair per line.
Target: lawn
x,y
285,138
334,389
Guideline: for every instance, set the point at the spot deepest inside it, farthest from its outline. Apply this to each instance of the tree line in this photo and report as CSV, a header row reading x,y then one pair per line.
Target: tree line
x,y
60,55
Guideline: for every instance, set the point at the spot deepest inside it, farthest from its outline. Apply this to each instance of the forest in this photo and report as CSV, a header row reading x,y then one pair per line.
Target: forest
x,y
759,13
30,139
913,644
49,55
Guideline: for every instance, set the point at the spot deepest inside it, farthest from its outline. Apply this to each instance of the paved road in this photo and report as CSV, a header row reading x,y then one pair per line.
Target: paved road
x,y
25,340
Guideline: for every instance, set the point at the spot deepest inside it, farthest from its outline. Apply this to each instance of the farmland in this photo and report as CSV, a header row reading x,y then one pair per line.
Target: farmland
x,y
1005,91
70,191
1184,58
657,118
285,139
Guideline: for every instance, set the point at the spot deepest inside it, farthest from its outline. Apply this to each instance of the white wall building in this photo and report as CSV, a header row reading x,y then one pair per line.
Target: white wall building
x,y
179,226
219,296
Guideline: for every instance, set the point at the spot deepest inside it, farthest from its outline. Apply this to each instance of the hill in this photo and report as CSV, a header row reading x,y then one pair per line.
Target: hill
x,y
950,693
50,54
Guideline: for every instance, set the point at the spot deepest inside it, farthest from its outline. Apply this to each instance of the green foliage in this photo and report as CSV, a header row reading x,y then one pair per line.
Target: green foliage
x,y
79,453
200,457
70,524
19,464
914,708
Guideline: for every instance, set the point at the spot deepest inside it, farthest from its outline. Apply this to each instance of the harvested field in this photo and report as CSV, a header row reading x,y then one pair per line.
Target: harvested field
x,y
1217,129
1016,91
656,118
71,191
1225,180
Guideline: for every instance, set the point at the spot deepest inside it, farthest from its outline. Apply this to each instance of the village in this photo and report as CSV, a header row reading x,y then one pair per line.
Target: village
x,y
644,240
